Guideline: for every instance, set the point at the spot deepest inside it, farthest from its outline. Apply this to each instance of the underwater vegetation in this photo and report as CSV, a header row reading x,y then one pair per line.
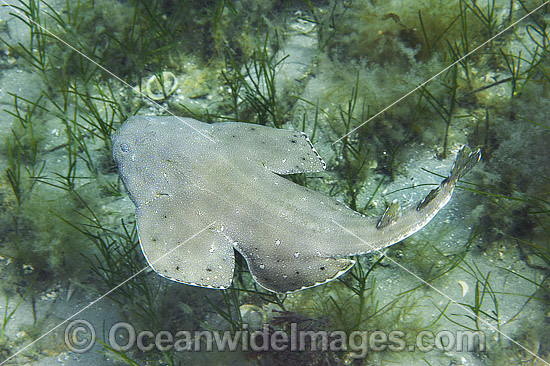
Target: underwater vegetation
x,y
73,71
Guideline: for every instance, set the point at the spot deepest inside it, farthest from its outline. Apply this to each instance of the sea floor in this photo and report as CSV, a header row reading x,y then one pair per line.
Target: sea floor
x,y
70,260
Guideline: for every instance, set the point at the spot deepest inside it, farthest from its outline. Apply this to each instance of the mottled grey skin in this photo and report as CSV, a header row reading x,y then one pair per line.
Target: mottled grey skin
x,y
202,190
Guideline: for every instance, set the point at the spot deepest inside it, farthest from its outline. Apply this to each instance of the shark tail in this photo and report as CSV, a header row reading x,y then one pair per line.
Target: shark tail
x,y
465,161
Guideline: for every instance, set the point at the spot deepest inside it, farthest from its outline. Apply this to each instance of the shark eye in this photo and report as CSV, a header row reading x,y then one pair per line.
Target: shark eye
x,y
124,147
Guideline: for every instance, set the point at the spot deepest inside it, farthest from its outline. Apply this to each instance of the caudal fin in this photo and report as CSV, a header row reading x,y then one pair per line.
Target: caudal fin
x,y
465,161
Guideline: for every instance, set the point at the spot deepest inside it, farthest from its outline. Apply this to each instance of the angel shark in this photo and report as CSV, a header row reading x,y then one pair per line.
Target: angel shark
x,y
204,190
